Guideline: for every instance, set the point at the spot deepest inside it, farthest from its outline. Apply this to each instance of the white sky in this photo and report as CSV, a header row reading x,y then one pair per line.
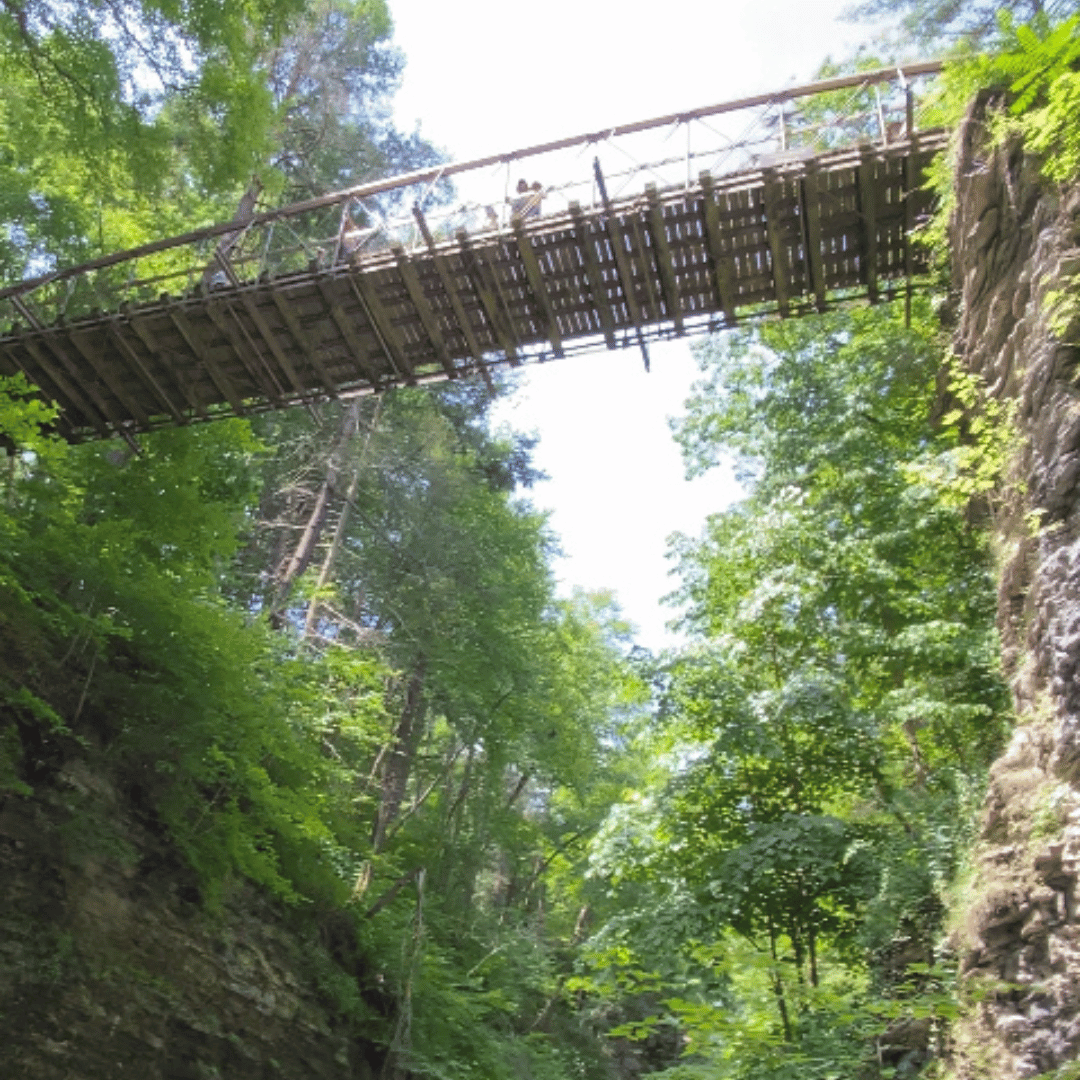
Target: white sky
x,y
485,76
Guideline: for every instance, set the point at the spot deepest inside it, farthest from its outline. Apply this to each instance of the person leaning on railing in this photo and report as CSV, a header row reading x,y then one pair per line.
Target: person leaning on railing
x,y
527,203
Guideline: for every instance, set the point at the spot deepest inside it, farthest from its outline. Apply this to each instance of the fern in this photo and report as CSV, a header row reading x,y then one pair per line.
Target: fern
x,y
1038,62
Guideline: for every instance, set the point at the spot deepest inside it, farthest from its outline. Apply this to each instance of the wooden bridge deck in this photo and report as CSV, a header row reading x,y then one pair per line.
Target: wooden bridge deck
x,y
788,240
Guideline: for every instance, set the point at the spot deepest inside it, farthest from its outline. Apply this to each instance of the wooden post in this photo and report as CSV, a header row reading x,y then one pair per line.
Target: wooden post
x,y
345,328
536,284
461,317
198,347
303,340
142,332
868,212
665,263
383,328
597,286
721,266
108,376
772,198
485,291
811,206
411,281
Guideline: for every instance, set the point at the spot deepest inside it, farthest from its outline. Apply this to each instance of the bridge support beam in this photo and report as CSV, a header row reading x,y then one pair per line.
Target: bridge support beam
x,y
664,261
772,198
721,264
586,247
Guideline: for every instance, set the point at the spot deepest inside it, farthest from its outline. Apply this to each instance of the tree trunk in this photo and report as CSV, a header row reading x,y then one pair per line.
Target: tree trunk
x,y
778,987
302,552
342,524
399,761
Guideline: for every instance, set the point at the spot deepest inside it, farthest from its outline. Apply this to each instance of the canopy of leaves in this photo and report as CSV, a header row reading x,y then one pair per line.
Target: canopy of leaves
x,y
156,116
839,702
935,25
413,739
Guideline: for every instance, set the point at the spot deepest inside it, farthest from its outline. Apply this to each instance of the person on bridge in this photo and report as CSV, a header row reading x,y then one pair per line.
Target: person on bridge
x,y
527,203
353,237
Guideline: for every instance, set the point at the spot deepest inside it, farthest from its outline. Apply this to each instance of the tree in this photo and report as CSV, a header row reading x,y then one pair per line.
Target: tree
x,y
140,105
327,658
933,24
838,704
331,79
158,117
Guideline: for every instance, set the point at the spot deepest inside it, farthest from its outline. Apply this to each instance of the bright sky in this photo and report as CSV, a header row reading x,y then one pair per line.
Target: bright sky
x,y
485,76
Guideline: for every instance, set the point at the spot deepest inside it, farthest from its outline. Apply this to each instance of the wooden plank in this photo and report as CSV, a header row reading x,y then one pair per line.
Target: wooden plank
x,y
147,338
646,267
811,206
346,330
536,284
64,417
65,387
411,281
595,275
385,330
134,361
272,343
668,281
622,266
491,276
484,289
461,319
721,266
198,347
490,272
219,312
773,198
104,370
911,183
77,373
868,214
303,340
461,316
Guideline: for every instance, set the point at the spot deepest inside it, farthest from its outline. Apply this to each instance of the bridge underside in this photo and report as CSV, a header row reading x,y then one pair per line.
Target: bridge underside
x,y
785,240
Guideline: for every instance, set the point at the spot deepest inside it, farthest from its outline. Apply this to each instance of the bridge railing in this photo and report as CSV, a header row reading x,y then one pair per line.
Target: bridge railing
x,y
880,106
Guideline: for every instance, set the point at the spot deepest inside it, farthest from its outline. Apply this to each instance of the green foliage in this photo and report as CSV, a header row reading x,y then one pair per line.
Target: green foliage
x,y
444,773
330,79
24,416
933,25
111,568
986,442
111,68
157,116
827,730
11,755
1035,65
407,749
258,756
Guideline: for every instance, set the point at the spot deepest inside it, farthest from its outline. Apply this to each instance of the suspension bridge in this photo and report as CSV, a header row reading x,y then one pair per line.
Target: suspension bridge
x,y
780,204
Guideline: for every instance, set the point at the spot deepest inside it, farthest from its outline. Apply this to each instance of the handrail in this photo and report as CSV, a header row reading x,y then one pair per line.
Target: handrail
x,y
436,172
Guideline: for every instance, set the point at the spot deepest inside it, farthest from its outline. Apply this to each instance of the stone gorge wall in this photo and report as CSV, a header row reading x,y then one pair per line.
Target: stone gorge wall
x,y
1014,242
110,967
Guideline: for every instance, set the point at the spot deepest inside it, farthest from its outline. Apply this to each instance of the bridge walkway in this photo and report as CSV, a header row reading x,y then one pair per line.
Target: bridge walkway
x,y
793,235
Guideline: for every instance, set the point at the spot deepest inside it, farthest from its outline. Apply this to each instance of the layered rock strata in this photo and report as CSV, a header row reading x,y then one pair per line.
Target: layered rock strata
x,y
1015,253
111,966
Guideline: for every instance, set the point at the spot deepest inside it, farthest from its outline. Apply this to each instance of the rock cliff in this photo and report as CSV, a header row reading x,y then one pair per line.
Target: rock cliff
x,y
110,966
1015,245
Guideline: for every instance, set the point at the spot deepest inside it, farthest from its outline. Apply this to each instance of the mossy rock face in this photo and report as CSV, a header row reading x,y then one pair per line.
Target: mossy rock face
x,y
1017,926
109,965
